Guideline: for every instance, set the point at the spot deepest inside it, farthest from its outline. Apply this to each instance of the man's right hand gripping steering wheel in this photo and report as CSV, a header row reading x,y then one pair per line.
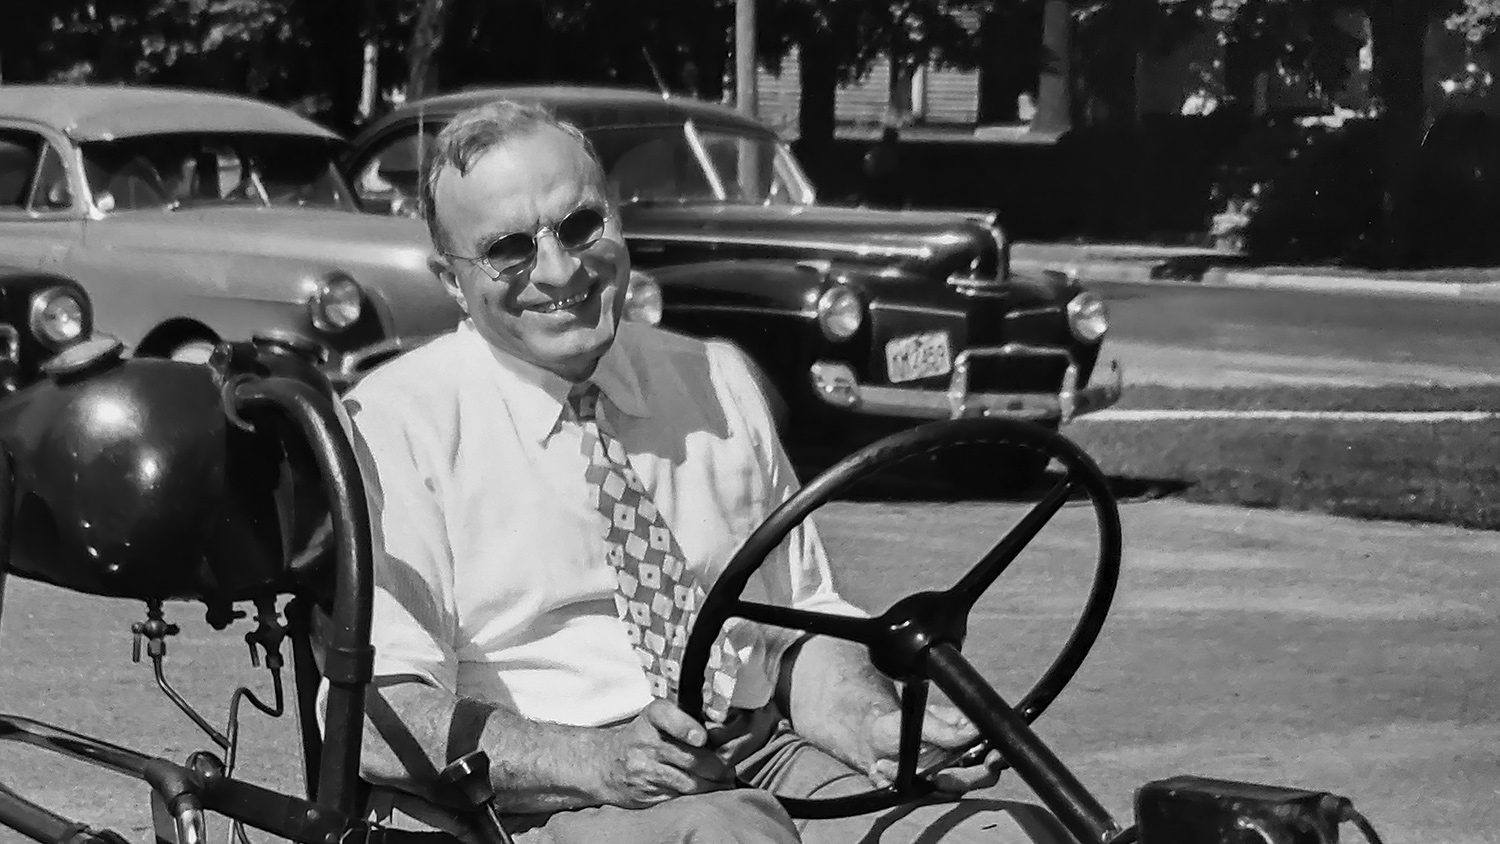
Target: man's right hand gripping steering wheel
x,y
659,754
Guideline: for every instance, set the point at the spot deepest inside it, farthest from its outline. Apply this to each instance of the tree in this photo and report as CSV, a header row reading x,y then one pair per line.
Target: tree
x,y
304,53
1010,37
426,37
1304,37
1476,20
839,41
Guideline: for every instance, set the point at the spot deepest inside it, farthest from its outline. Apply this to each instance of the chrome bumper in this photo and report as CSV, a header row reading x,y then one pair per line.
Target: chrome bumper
x,y
1070,401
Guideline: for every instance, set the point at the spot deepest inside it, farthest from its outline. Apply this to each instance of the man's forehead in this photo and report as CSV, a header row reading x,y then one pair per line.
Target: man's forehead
x,y
543,160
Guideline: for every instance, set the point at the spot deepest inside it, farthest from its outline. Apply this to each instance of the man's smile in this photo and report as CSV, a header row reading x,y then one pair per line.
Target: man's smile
x,y
561,304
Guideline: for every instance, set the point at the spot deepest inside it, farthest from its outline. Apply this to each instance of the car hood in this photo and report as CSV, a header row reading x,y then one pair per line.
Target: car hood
x,y
935,241
387,256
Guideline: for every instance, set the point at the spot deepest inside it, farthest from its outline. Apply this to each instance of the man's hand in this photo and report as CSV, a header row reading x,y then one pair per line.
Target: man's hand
x,y
658,755
945,733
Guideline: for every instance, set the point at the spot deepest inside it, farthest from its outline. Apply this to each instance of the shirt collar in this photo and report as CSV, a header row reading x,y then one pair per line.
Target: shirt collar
x,y
537,397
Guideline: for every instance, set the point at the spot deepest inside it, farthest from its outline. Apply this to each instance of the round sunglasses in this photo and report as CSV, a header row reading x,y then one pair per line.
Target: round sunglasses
x,y
578,230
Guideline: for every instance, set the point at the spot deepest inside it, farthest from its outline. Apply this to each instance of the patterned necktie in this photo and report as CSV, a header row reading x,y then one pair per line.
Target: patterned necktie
x,y
657,594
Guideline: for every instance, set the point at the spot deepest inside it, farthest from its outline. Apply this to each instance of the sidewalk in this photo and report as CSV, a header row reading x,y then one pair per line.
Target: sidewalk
x,y
1129,263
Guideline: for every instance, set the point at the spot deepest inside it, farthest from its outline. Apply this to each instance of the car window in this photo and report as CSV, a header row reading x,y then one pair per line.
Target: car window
x,y
50,191
168,171
388,179
651,164
755,168
20,153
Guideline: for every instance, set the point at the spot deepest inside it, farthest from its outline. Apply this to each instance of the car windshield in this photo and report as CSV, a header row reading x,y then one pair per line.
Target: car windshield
x,y
682,163
167,171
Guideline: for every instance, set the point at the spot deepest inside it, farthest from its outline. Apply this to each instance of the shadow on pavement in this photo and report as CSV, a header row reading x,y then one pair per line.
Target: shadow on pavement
x,y
923,485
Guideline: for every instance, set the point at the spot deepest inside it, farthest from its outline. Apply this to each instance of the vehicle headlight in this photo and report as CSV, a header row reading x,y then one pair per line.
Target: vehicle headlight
x,y
336,303
1088,318
840,313
643,298
57,317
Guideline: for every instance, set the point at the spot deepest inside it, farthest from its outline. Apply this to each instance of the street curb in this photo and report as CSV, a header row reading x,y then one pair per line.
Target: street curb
x,y
1155,273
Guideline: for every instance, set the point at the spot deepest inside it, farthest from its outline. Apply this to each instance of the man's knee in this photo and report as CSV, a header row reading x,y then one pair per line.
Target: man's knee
x,y
740,816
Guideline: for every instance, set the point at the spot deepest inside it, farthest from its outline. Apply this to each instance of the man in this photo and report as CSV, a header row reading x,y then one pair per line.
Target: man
x,y
508,464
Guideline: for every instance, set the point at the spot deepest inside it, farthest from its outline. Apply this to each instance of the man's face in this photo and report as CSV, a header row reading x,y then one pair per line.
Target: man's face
x,y
560,312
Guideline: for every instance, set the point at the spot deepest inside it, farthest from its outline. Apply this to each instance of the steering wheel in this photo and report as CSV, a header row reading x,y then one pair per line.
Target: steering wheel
x,y
918,640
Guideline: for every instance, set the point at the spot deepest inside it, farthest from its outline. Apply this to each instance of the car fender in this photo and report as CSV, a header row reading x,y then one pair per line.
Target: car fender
x,y
20,286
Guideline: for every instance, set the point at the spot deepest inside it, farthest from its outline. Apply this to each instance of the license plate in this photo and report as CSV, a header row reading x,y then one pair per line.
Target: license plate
x,y
918,356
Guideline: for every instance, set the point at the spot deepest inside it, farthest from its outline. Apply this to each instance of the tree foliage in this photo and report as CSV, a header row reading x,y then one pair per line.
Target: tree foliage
x,y
301,53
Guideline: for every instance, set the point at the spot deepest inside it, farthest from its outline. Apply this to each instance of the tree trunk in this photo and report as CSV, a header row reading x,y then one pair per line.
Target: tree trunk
x,y
1240,72
338,27
709,57
1055,90
1398,30
426,39
1010,38
815,117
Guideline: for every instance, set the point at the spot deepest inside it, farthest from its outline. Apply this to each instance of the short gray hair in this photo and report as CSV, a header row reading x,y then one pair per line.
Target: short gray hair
x,y
476,131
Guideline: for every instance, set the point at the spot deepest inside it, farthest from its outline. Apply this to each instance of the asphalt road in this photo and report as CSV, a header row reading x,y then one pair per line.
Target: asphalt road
x,y
1183,334
1272,647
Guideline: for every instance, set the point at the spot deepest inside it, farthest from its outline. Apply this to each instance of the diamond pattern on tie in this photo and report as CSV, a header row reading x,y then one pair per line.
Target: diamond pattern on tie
x,y
658,595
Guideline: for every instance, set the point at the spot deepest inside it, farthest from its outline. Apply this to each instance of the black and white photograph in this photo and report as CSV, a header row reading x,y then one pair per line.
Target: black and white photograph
x,y
750,421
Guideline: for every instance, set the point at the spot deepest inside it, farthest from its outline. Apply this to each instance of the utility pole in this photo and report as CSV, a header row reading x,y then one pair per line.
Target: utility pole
x,y
744,57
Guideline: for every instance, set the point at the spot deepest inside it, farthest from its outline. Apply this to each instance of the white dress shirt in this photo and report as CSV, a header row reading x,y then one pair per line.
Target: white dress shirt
x,y
491,578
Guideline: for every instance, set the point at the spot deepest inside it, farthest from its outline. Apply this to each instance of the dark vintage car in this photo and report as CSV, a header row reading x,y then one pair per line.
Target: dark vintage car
x,y
864,321
41,314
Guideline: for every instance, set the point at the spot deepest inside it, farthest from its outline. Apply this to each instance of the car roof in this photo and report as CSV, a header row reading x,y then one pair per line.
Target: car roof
x,y
102,112
587,106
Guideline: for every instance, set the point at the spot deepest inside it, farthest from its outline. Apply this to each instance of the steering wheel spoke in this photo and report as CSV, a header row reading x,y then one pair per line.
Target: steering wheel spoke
x,y
911,640
913,716
992,565
848,627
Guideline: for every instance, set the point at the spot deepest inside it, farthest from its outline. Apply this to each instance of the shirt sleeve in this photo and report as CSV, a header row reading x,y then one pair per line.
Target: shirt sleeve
x,y
413,613
797,573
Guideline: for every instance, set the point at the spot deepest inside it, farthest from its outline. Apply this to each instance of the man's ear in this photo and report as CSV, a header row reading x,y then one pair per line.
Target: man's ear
x,y
443,269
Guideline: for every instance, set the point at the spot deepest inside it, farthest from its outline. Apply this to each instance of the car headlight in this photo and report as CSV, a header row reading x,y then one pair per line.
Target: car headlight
x,y
336,303
840,313
57,317
1088,317
643,298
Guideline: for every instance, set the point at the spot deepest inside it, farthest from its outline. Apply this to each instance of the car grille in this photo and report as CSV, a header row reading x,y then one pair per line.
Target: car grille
x,y
1028,373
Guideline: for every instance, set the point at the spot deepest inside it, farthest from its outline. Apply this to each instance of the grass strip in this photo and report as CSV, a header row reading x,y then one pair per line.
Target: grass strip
x,y
1436,472
1318,398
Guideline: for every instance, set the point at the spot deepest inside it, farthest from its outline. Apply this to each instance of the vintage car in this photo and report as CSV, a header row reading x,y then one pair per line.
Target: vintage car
x,y
192,217
864,321
40,315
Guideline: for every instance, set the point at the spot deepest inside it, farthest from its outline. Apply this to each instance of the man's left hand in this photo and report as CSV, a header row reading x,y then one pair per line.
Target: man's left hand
x,y
945,732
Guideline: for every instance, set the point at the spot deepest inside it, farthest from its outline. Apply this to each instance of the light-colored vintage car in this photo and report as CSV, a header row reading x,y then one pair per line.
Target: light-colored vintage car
x,y
191,217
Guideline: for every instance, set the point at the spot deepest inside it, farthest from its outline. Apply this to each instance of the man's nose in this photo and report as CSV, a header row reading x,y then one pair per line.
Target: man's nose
x,y
554,265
